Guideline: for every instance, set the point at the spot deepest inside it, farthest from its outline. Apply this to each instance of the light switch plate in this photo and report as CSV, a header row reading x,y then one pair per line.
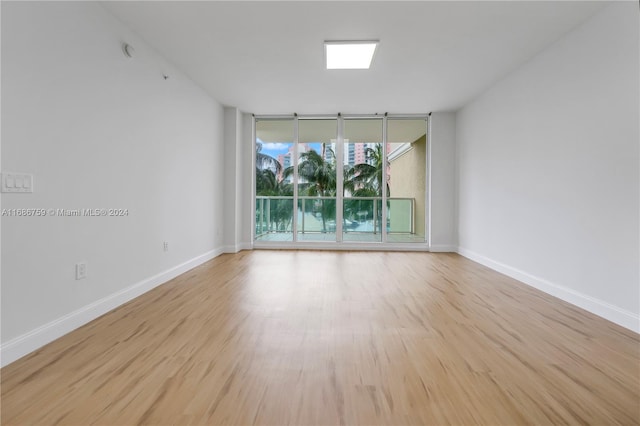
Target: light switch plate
x,y
17,182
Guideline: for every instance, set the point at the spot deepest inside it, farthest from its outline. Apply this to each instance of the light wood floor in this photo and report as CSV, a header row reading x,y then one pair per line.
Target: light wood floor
x,y
298,337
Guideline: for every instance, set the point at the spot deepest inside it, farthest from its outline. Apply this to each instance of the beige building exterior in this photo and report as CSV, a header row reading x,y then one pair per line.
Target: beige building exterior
x,y
407,163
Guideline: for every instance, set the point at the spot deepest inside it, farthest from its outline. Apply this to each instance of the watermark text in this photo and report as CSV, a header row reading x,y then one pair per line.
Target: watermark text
x,y
100,212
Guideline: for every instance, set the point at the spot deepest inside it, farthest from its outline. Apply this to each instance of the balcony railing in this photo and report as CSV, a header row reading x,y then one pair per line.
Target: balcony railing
x,y
318,215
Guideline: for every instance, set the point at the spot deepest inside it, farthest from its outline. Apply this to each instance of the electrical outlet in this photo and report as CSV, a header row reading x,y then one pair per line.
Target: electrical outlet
x,y
166,246
81,271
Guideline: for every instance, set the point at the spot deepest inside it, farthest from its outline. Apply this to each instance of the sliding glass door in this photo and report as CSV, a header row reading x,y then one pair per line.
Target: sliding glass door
x,y
364,180
341,179
317,182
407,178
274,187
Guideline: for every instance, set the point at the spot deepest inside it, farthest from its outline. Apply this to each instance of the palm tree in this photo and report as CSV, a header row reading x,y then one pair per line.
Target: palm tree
x,y
319,173
266,181
365,179
280,208
318,178
268,184
264,161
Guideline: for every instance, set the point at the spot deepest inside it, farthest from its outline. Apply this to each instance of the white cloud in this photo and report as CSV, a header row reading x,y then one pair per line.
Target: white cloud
x,y
275,146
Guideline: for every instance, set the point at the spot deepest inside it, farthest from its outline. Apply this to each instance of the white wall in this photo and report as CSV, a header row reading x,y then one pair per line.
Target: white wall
x,y
237,169
548,169
98,130
442,132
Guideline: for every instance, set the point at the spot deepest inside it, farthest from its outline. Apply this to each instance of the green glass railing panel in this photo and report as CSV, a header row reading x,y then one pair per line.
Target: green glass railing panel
x,y
316,219
400,215
362,220
274,215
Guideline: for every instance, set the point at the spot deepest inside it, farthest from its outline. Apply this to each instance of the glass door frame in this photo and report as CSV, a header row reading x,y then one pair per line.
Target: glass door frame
x,y
339,158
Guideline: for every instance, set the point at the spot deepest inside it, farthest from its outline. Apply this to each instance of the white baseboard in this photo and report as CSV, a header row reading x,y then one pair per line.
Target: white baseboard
x,y
22,345
598,307
237,248
443,248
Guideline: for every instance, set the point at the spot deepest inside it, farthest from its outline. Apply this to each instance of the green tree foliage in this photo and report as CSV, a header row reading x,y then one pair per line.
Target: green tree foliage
x,y
264,161
269,185
317,174
365,179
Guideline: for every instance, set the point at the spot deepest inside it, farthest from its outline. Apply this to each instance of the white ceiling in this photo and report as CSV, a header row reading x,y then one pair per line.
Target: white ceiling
x,y
267,57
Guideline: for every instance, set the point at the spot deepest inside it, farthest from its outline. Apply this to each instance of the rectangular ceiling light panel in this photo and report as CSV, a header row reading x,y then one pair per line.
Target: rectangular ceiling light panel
x,y
349,55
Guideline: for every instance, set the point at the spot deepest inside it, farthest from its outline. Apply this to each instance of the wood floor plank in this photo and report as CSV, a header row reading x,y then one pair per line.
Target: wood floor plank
x,y
303,337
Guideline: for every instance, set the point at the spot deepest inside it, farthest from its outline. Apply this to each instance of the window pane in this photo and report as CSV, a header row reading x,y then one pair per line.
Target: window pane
x,y
363,172
407,153
274,189
317,180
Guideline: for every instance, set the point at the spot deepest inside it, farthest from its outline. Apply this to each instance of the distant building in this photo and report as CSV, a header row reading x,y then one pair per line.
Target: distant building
x,y
353,153
285,160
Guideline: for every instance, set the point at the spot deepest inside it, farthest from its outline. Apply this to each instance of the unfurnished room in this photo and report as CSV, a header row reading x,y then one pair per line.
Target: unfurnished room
x,y
320,212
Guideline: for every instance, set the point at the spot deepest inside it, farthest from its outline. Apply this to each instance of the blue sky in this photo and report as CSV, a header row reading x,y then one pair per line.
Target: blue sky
x,y
274,149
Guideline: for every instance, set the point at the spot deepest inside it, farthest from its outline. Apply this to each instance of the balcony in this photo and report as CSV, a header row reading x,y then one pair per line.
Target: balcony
x,y
316,219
